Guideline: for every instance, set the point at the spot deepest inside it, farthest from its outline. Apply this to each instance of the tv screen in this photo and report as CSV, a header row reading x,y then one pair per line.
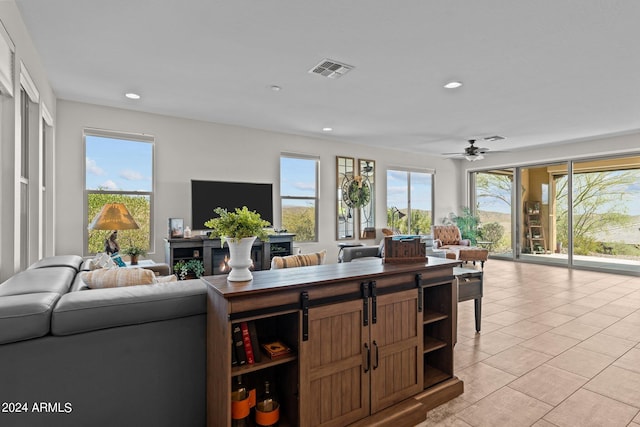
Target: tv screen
x,y
208,195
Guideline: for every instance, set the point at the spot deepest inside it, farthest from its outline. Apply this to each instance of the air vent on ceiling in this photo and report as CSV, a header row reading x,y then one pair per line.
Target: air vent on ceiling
x,y
494,138
331,69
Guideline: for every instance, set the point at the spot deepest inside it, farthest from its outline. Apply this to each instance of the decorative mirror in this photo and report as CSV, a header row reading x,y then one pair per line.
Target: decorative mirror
x,y
346,210
366,198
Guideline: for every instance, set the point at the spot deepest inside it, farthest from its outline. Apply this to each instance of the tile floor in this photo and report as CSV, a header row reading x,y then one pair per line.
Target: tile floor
x,y
558,347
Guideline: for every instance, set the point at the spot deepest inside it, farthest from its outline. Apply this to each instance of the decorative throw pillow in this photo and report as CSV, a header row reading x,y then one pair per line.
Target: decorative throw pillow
x,y
101,260
302,260
166,279
116,277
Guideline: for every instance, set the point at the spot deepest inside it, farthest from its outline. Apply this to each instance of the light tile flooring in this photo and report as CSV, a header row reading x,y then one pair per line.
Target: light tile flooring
x,y
558,347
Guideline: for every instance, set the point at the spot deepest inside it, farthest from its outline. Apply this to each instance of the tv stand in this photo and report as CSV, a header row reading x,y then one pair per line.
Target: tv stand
x,y
214,256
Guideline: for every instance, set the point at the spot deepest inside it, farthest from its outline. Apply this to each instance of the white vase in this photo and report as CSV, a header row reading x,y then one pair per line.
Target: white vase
x,y
240,259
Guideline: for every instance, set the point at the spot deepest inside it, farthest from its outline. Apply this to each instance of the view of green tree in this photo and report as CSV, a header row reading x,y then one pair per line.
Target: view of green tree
x,y
420,222
301,221
493,194
493,232
494,186
138,206
599,202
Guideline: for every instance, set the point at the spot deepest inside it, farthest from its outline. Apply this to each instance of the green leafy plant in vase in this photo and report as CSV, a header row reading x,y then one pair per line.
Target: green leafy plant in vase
x,y
134,253
239,229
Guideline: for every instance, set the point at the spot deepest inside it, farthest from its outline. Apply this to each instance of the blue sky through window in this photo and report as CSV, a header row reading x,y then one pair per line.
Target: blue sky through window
x,y
297,177
118,164
397,183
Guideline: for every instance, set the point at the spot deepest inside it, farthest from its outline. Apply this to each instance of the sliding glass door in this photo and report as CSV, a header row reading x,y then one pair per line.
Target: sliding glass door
x,y
606,214
543,221
578,213
494,207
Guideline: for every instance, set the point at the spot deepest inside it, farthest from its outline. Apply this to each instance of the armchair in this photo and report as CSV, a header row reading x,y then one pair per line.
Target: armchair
x,y
445,236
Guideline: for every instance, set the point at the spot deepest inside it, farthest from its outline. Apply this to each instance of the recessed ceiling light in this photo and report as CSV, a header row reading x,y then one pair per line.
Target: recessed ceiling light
x,y
453,85
275,88
132,95
327,129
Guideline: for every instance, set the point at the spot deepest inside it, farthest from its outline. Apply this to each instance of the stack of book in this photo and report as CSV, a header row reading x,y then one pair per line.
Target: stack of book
x,y
246,350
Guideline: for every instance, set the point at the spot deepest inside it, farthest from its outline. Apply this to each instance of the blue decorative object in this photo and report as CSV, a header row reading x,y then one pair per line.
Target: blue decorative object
x,y
118,260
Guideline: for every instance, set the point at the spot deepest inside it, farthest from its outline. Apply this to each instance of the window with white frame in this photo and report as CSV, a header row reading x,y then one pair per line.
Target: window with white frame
x,y
410,201
119,169
28,225
299,196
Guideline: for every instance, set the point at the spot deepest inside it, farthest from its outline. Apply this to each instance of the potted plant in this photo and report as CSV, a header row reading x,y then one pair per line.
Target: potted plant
x,y
239,229
184,268
468,224
134,252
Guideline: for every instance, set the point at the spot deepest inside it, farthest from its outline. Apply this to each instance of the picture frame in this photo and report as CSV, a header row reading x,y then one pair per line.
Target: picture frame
x,y
176,228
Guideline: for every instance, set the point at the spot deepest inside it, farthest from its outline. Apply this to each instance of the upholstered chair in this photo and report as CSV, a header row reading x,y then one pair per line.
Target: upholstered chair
x,y
445,236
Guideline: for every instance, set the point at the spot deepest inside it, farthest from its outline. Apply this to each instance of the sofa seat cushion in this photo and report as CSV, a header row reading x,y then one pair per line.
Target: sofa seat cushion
x,y
302,260
27,316
78,312
38,280
73,261
118,277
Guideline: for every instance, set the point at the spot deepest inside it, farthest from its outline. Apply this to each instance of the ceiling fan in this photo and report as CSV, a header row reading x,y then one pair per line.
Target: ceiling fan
x,y
471,153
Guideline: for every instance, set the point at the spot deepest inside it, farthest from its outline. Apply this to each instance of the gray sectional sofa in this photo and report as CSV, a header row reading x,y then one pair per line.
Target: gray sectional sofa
x,y
130,356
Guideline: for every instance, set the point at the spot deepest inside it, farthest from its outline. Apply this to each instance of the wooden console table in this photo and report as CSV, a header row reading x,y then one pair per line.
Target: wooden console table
x,y
372,342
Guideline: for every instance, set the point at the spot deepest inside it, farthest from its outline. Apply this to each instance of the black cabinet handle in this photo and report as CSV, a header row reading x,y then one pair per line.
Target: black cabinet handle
x,y
368,366
374,302
375,366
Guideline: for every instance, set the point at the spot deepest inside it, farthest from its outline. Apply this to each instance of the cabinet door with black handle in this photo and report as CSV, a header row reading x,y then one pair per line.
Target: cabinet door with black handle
x,y
396,349
335,365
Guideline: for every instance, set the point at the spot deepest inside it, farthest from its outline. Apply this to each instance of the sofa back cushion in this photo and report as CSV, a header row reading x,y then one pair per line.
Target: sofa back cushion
x,y
37,280
78,312
73,261
302,260
26,316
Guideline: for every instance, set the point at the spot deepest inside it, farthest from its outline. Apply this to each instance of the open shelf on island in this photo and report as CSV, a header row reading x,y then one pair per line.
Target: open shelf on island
x,y
432,344
434,376
431,316
266,362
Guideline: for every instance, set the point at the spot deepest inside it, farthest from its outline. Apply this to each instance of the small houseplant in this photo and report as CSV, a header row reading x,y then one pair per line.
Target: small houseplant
x,y
239,229
134,252
183,268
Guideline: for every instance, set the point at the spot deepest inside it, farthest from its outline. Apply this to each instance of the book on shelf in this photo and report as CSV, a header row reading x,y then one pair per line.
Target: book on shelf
x,y
238,344
246,339
255,344
234,358
276,349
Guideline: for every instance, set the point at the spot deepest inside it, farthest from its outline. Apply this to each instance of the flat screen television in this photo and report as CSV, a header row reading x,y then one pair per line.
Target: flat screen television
x,y
208,195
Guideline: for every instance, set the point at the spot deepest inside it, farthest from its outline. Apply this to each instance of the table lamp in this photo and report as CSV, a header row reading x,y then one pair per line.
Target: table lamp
x,y
113,216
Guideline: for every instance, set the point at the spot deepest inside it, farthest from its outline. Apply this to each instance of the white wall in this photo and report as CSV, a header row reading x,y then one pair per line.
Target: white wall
x,y
188,149
10,136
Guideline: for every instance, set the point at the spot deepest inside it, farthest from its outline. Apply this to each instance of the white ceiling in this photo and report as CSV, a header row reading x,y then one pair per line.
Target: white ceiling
x,y
536,72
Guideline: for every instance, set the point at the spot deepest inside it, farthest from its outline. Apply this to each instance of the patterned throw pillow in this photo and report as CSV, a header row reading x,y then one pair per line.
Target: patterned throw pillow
x,y
303,260
101,260
116,277
166,279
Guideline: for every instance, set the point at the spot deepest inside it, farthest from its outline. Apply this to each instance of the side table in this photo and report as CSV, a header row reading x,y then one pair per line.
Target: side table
x,y
470,287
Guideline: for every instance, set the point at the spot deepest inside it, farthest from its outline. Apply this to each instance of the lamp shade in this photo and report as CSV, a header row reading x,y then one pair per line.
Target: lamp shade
x,y
113,216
